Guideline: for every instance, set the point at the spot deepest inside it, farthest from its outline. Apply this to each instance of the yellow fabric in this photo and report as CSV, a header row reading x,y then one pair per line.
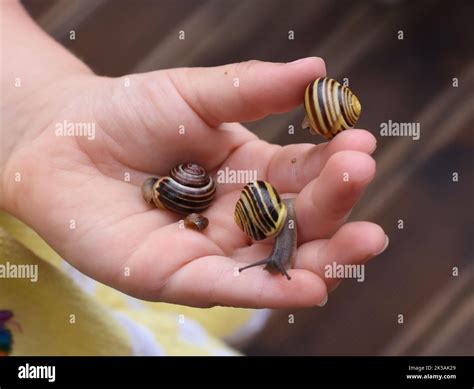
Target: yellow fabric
x,y
60,318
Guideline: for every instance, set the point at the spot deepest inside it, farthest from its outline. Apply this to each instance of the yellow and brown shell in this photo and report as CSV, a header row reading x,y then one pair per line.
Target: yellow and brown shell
x,y
259,212
330,107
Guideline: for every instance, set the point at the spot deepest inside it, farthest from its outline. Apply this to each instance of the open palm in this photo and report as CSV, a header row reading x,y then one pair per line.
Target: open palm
x,y
83,196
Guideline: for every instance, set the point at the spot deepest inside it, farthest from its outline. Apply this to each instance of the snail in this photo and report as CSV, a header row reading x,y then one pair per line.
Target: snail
x,y
196,221
188,189
260,213
330,107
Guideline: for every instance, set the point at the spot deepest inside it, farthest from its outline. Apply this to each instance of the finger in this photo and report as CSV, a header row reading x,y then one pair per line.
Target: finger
x,y
353,243
245,91
214,280
150,116
324,204
291,168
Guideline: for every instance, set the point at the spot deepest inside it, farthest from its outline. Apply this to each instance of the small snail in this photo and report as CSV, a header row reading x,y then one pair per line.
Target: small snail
x,y
261,214
188,189
196,221
330,107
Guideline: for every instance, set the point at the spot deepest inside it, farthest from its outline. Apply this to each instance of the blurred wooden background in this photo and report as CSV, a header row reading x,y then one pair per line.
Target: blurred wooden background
x,y
409,80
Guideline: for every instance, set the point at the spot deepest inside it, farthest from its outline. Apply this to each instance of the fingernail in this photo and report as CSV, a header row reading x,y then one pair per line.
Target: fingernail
x,y
373,148
384,246
334,287
302,60
323,301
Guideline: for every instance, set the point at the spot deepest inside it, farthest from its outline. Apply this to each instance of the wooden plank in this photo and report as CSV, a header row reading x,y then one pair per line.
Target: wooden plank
x,y
441,321
446,115
66,15
37,7
171,51
123,31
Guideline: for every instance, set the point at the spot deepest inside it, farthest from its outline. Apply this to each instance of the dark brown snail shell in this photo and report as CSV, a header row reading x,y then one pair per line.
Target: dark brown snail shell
x,y
187,189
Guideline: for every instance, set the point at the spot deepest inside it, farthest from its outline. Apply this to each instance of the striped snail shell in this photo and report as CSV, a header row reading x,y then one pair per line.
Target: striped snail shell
x,y
260,213
187,189
330,107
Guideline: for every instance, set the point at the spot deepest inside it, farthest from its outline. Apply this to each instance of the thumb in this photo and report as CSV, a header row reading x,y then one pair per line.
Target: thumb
x,y
245,91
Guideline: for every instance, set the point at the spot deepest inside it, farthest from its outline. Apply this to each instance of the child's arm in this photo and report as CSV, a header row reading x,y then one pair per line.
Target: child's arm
x,y
31,61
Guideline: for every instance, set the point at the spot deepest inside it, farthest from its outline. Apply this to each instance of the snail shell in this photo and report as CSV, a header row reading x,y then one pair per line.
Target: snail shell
x,y
259,212
196,222
330,107
187,189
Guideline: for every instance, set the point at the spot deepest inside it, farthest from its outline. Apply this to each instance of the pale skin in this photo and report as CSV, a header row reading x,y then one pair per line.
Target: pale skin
x,y
122,241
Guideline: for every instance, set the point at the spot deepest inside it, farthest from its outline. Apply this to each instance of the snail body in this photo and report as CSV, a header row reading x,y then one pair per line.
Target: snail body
x,y
260,213
330,107
187,189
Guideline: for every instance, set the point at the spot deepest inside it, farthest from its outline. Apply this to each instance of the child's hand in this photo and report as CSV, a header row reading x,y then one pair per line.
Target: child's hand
x,y
120,240
74,191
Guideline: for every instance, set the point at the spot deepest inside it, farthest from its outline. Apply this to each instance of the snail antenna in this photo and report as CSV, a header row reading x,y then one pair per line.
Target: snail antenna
x,y
262,262
284,272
